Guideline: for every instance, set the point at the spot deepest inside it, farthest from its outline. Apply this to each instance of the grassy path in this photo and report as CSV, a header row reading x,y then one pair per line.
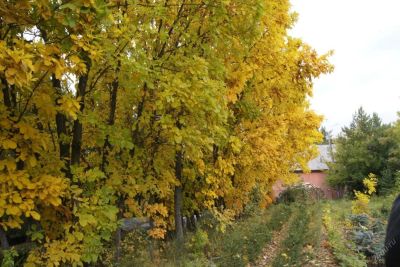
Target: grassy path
x,y
323,255
302,241
269,252
245,243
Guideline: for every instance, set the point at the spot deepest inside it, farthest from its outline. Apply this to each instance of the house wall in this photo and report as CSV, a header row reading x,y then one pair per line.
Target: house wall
x,y
317,178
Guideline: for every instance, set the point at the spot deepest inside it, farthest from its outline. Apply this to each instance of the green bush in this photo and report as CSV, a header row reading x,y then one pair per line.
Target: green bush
x,y
301,193
198,242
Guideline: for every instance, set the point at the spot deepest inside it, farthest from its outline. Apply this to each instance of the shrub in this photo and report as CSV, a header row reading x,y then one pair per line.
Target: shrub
x,y
360,204
303,192
368,235
198,242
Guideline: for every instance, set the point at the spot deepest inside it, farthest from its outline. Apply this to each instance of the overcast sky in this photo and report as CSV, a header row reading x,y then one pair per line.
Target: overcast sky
x,y
365,36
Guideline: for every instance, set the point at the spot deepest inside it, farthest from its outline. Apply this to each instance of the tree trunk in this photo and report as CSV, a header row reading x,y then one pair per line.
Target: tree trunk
x,y
3,239
6,93
111,117
136,130
178,199
78,129
61,123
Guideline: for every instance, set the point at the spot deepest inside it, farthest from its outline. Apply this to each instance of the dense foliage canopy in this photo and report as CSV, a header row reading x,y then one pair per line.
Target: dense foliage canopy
x,y
121,108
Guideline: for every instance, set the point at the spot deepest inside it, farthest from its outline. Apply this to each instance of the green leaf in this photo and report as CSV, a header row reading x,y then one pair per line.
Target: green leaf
x,y
70,21
85,219
71,6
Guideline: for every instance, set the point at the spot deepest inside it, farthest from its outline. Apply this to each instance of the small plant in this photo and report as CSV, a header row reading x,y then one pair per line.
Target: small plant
x,y
360,204
368,234
199,242
216,219
9,256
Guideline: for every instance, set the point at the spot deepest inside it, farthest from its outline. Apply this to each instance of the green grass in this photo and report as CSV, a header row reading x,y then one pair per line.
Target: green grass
x,y
380,206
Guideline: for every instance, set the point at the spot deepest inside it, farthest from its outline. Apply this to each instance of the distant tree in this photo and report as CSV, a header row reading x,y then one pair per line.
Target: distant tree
x,y
366,146
326,136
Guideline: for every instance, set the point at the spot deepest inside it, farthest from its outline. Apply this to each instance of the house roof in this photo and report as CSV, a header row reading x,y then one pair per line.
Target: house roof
x,y
325,156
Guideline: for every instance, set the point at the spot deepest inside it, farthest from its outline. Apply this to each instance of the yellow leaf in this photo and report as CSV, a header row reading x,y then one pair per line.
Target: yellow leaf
x,y
86,219
11,72
157,233
13,210
16,198
58,69
55,201
75,59
9,144
32,161
178,139
35,215
11,165
79,236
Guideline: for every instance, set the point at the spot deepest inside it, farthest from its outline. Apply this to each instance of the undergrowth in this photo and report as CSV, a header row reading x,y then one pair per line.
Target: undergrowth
x,y
342,248
297,237
244,242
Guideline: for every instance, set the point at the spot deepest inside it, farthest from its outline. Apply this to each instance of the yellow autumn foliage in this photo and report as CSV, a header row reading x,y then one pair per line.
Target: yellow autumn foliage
x,y
360,204
112,109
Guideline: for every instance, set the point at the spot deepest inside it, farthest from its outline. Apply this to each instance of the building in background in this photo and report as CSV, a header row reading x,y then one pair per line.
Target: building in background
x,y
317,175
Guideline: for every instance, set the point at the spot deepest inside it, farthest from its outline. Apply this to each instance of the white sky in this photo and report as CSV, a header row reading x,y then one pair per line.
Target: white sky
x,y
365,36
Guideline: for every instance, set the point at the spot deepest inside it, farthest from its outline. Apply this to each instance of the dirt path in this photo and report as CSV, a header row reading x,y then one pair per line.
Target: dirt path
x,y
269,252
323,254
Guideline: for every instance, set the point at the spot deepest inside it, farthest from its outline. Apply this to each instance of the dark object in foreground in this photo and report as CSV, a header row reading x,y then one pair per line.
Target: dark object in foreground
x,y
392,240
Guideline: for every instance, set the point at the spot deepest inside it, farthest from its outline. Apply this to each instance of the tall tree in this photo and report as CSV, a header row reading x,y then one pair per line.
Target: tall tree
x,y
366,146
